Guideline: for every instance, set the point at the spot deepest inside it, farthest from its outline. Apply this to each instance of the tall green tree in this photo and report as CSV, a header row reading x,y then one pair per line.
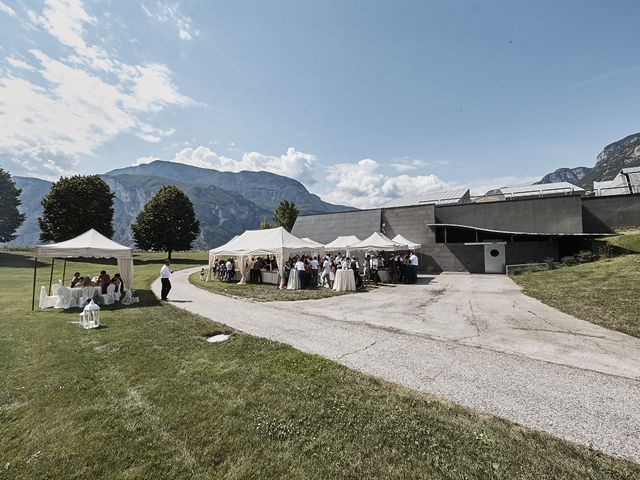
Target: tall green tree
x,y
167,222
10,217
286,214
74,205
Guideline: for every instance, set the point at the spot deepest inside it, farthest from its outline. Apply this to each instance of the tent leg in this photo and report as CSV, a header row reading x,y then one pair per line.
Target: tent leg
x,y
64,270
53,260
33,293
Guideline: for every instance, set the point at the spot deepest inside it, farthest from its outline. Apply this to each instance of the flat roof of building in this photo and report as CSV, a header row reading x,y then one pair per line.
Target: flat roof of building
x,y
429,198
542,189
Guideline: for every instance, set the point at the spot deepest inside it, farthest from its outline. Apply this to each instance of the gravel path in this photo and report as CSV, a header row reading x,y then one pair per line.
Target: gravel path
x,y
473,339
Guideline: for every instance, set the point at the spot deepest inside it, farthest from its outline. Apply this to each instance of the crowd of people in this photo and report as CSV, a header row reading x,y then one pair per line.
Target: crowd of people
x,y
103,281
317,271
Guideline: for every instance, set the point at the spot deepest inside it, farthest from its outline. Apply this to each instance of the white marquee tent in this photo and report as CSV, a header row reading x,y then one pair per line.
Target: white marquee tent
x,y
341,243
313,242
403,240
94,245
272,241
378,241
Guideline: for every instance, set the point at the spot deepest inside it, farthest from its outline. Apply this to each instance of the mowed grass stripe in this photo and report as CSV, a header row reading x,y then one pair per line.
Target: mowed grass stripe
x,y
147,397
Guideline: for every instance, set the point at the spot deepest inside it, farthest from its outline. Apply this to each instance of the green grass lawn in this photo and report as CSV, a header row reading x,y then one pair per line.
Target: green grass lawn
x,y
147,397
604,292
629,241
265,292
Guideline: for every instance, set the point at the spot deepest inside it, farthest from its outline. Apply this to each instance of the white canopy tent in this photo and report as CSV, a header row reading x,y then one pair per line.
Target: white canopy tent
x,y
313,242
272,241
412,245
378,241
341,243
90,244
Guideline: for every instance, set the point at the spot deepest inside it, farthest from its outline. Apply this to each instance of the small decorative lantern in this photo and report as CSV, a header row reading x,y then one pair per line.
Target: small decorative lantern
x,y
90,316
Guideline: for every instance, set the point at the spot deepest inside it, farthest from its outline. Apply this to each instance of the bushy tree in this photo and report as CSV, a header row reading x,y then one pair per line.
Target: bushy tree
x,y
285,215
265,224
75,205
10,217
167,222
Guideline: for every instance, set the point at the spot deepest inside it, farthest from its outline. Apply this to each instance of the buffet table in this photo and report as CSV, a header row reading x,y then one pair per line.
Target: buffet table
x,y
345,281
269,277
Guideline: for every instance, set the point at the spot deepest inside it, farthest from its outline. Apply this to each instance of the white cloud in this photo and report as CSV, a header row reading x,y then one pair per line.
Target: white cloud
x,y
169,12
362,185
21,64
75,105
7,9
292,163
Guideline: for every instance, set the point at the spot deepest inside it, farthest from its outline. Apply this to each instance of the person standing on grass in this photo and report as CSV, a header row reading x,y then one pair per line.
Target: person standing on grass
x,y
165,273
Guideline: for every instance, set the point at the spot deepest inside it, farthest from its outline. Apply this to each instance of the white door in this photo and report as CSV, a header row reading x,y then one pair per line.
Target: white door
x,y
494,258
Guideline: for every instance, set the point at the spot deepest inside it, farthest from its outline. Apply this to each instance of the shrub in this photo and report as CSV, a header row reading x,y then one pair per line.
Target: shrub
x,y
585,256
569,261
551,264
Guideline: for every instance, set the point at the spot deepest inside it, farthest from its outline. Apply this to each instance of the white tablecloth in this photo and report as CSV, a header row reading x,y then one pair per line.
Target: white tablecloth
x,y
345,281
76,293
294,281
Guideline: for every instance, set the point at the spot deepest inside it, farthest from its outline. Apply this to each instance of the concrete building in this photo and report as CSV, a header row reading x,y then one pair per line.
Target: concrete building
x,y
485,236
626,182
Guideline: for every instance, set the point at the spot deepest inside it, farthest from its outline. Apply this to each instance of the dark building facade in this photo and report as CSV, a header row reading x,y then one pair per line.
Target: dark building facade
x,y
479,237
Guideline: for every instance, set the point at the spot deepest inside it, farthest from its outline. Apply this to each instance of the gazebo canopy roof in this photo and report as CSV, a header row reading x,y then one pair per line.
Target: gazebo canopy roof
x,y
313,242
378,241
405,241
342,243
90,244
262,242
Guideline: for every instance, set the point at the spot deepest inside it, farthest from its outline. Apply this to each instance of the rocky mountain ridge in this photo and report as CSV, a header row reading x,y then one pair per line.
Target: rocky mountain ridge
x,y
223,212
613,158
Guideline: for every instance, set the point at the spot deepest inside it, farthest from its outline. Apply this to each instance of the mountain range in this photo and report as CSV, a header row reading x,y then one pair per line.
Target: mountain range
x,y
613,158
229,203
226,203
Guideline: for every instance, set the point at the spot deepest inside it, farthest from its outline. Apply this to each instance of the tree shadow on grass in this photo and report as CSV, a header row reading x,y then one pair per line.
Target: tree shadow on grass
x,y
11,260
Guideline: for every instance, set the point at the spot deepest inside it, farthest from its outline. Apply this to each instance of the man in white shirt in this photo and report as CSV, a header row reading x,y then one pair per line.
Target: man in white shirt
x,y
373,269
230,271
326,274
299,266
413,260
314,272
165,273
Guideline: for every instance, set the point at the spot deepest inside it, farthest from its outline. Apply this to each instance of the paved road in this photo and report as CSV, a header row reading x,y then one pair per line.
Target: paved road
x,y
474,339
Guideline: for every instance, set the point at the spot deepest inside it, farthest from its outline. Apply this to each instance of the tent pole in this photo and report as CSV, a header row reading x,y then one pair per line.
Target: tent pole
x,y
33,293
53,260
64,270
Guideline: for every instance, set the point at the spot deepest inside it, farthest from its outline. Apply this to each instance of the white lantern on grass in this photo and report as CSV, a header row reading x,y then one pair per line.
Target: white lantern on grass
x,y
90,316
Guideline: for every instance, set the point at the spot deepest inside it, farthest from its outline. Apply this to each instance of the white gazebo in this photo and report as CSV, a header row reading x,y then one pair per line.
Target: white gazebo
x,y
405,241
272,241
91,244
379,241
341,243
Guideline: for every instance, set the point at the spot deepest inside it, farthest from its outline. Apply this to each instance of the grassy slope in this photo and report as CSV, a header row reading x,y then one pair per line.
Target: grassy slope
x,y
604,292
147,397
629,241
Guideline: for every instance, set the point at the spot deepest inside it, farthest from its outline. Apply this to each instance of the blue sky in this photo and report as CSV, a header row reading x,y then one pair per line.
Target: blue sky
x,y
362,101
